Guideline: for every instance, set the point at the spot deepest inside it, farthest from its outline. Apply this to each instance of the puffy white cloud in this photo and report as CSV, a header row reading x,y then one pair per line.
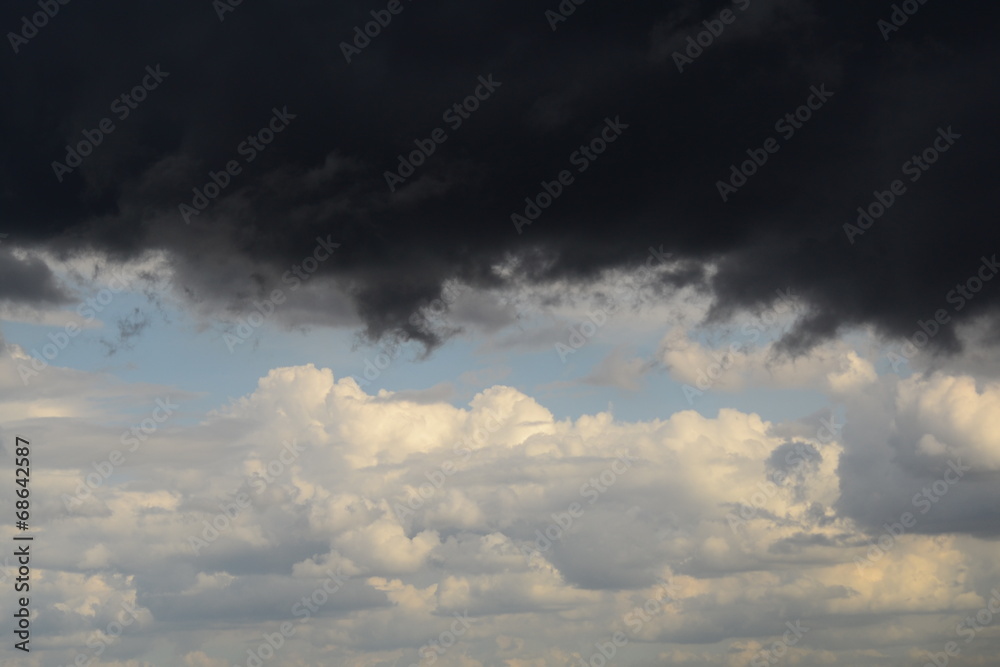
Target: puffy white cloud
x,y
384,529
943,416
834,367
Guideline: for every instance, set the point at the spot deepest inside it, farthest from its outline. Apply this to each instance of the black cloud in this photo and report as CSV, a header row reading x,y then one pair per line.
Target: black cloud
x,y
656,185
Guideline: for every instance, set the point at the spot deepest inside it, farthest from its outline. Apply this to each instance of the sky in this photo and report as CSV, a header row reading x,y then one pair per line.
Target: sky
x,y
482,334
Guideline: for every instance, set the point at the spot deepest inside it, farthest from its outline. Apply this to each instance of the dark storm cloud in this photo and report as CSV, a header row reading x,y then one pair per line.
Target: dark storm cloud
x,y
656,184
27,280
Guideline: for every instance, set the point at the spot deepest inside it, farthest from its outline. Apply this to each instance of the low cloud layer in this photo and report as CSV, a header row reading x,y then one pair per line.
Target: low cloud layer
x,y
544,534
